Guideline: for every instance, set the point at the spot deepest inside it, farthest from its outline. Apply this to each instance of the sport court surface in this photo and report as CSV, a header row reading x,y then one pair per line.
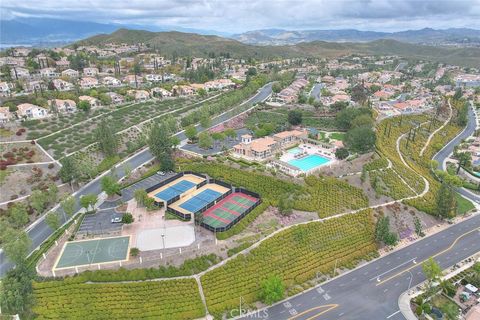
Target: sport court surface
x,y
200,198
227,210
85,252
177,236
176,188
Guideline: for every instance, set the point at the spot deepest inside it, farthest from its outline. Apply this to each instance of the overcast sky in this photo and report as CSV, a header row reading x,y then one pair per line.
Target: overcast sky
x,y
242,15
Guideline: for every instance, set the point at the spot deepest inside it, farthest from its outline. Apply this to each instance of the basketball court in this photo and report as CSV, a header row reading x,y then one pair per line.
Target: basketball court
x,y
96,251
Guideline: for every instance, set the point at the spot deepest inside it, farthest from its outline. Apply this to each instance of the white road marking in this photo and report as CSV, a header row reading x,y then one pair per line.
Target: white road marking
x,y
326,296
293,312
393,314
287,304
406,262
385,290
320,290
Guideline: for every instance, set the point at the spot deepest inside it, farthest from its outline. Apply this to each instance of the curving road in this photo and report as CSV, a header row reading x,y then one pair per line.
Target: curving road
x,y
443,154
39,231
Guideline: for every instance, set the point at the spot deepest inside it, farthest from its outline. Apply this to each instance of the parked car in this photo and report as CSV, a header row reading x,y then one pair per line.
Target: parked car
x,y
116,219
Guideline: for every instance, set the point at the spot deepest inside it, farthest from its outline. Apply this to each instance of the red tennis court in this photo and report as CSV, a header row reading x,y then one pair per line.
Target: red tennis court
x,y
228,209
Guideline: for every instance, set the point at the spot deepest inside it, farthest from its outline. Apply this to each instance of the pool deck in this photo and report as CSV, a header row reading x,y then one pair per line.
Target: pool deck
x,y
308,149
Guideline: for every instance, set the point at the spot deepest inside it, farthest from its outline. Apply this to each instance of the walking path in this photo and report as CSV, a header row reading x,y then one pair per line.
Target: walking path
x,y
440,128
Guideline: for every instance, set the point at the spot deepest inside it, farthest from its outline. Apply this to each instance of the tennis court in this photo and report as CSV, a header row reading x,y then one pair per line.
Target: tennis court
x,y
227,210
86,252
176,188
200,200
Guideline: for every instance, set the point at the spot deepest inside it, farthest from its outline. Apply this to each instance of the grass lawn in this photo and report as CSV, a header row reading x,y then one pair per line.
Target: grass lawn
x,y
337,136
448,308
463,205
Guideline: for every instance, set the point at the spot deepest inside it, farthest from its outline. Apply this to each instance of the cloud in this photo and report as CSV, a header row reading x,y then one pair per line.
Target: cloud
x,y
242,15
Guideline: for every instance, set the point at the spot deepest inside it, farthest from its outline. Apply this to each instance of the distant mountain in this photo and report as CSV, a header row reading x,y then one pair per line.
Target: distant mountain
x,y
191,44
45,31
423,36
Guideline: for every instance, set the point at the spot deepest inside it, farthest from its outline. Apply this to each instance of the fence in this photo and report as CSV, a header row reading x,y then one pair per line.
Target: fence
x,y
241,216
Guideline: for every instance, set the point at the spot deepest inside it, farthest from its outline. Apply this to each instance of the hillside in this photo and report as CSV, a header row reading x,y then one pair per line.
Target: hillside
x,y
422,36
191,44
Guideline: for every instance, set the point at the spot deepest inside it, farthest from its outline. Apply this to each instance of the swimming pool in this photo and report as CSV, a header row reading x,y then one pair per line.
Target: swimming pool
x,y
309,162
295,150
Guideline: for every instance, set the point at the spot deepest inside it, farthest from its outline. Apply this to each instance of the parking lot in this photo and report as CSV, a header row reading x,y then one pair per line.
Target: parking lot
x,y
100,223
127,193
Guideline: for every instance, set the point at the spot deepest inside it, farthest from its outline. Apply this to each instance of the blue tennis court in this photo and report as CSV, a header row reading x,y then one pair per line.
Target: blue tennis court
x,y
175,190
200,200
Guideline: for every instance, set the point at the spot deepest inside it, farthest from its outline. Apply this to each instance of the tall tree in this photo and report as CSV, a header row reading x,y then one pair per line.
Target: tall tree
x,y
38,200
15,243
446,201
191,132
88,201
68,205
52,220
110,185
17,290
294,117
107,139
272,290
18,215
432,271
160,145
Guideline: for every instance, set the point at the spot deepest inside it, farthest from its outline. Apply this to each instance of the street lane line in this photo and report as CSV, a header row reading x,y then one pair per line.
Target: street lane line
x,y
393,314
328,306
388,271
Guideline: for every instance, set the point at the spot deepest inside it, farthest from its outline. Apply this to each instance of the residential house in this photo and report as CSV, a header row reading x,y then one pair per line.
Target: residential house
x,y
218,84
5,88
19,73
63,106
115,97
111,82
62,85
91,100
31,111
49,73
90,72
263,148
70,73
154,77
62,64
88,82
160,92
139,95
32,86
183,90
5,115
133,81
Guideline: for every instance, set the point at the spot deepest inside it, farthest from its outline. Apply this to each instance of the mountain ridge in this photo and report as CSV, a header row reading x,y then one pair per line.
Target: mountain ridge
x,y
191,44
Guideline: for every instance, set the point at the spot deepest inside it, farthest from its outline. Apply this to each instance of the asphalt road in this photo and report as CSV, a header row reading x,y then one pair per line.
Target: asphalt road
x,y
40,231
443,154
372,291
316,91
